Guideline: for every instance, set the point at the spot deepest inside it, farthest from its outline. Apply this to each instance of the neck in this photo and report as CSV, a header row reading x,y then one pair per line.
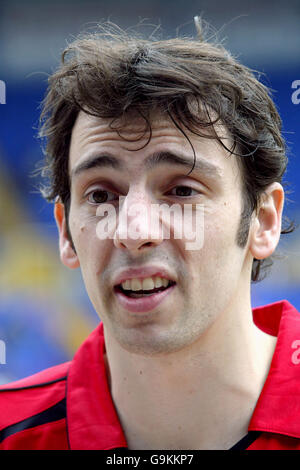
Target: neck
x,y
201,397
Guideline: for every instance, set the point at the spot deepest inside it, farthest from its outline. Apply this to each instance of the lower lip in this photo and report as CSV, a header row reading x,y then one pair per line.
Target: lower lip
x,y
143,304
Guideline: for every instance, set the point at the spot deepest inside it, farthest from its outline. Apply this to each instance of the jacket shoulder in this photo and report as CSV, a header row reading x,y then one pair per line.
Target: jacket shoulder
x,y
32,395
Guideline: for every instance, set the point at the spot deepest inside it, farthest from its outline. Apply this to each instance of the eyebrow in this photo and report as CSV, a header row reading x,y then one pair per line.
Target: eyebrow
x,y
152,161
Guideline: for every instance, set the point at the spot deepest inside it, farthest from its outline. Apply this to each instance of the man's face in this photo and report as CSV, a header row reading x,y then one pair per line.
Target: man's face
x,y
204,282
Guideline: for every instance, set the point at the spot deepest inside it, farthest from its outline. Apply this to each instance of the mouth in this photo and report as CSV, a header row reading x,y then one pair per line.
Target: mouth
x,y
143,295
136,289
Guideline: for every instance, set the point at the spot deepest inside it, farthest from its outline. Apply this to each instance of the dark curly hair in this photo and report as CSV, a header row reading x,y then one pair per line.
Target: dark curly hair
x,y
110,72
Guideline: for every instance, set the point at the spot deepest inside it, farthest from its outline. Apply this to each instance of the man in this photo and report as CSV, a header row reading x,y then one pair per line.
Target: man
x,y
180,360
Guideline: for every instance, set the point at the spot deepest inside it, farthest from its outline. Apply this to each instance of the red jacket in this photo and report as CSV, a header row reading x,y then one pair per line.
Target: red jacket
x,y
70,407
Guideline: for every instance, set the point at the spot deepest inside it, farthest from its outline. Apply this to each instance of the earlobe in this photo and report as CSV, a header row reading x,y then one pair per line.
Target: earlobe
x,y
67,254
266,225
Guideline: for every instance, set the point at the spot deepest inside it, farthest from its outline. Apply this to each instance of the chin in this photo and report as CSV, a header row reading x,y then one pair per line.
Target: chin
x,y
152,341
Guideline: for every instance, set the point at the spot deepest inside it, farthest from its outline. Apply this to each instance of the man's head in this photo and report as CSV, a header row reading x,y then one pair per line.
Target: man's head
x,y
130,100
196,83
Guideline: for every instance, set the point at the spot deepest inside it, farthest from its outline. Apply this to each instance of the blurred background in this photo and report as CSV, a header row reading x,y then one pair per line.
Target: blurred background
x,y
44,311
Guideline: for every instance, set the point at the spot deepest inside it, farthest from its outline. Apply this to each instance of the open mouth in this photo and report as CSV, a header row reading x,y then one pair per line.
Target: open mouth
x,y
136,294
143,295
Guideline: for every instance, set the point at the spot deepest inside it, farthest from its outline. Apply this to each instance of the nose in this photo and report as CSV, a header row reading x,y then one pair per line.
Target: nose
x,y
138,227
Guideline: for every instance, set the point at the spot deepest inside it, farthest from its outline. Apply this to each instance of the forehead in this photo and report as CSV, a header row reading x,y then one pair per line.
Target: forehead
x,y
128,139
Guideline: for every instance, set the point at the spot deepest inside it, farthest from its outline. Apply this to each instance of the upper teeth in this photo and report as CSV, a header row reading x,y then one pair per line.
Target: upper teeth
x,y
145,284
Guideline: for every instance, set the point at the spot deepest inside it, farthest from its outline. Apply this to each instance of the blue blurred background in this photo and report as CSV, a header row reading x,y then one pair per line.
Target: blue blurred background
x,y
44,310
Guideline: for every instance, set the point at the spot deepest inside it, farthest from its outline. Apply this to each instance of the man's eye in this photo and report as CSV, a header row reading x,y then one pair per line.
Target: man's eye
x,y
183,191
100,196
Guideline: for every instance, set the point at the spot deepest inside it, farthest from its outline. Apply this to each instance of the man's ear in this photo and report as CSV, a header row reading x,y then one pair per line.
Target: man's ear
x,y
266,225
67,254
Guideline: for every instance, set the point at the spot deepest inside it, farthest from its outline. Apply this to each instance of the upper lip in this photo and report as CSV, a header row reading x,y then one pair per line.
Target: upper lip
x,y
142,273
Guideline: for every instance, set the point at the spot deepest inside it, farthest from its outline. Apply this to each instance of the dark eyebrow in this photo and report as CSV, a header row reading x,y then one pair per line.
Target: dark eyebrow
x,y
166,158
97,161
152,161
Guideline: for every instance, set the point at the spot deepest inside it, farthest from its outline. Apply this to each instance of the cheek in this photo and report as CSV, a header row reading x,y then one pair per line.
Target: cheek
x,y
219,250
224,222
83,227
219,227
86,244
93,258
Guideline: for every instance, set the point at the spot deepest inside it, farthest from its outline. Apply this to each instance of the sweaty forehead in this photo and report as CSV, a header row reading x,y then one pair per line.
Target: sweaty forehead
x,y
131,128
130,135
